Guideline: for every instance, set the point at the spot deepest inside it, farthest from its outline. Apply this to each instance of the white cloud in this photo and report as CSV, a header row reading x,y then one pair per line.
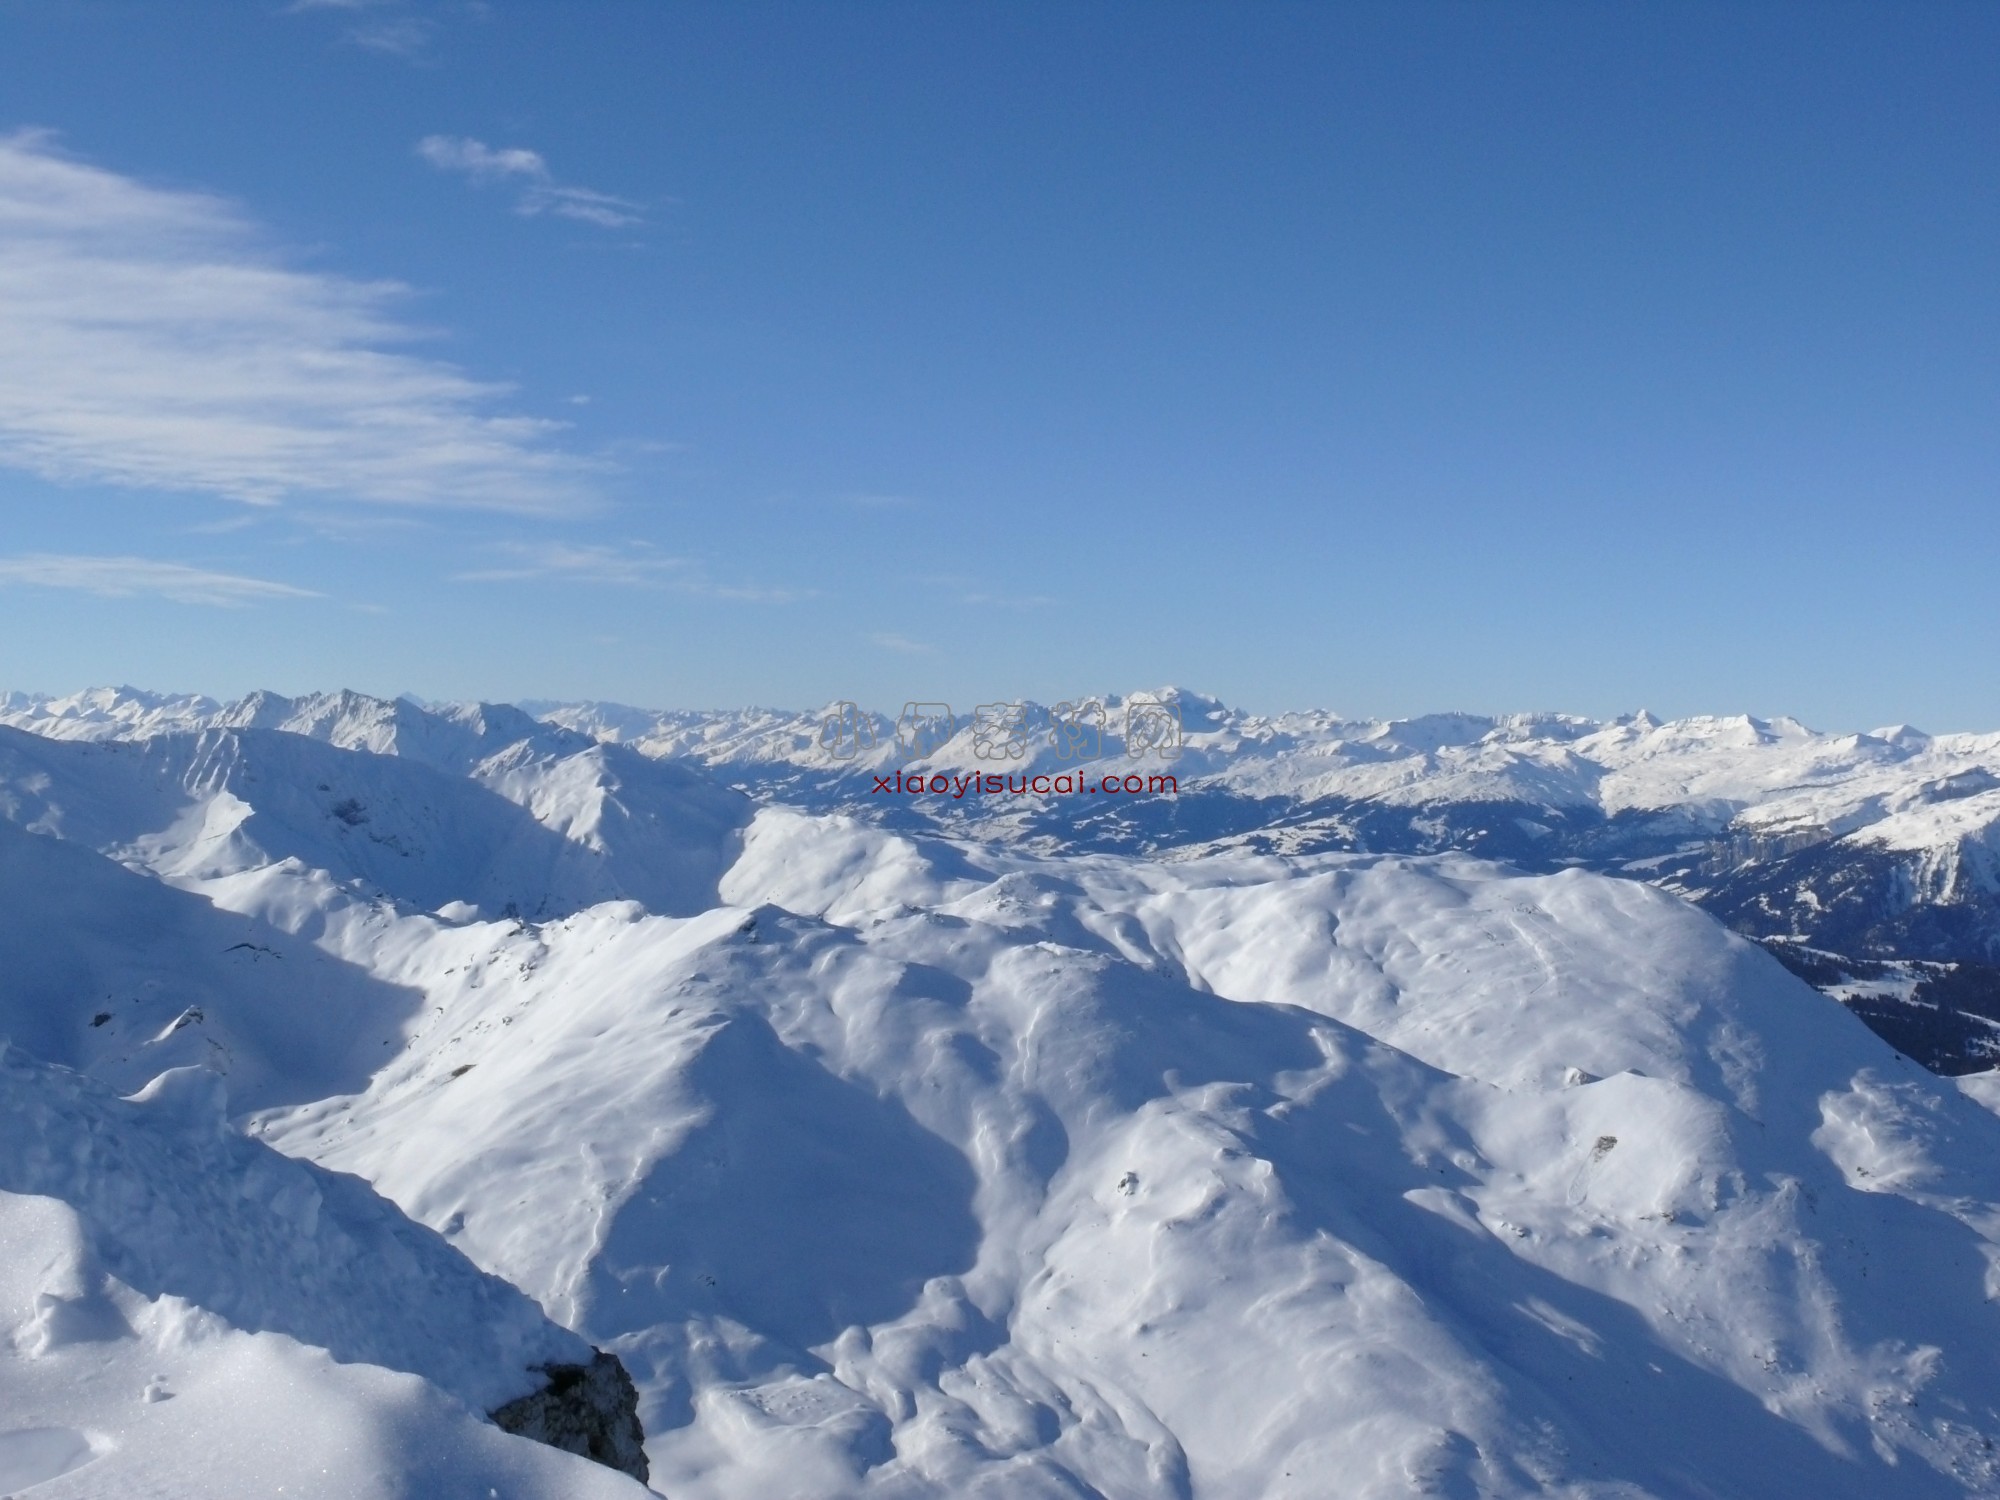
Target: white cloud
x,y
400,35
480,161
888,640
636,564
133,577
149,338
633,565
540,193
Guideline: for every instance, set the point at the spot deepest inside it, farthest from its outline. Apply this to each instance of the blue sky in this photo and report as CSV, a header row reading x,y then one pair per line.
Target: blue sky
x,y
1385,358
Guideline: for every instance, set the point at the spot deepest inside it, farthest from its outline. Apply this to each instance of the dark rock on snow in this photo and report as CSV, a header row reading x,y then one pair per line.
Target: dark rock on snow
x,y
589,1409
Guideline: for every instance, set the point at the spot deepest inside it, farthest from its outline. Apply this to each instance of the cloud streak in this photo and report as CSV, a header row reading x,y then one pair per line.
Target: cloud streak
x,y
137,577
400,35
150,339
635,565
539,192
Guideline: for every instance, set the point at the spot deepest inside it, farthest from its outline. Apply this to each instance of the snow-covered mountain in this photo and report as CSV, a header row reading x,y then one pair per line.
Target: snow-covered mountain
x,y
431,819
191,1313
911,1148
1869,863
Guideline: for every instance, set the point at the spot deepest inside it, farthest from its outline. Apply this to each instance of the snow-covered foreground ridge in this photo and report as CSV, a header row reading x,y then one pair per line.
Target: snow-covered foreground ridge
x,y
903,1165
189,1313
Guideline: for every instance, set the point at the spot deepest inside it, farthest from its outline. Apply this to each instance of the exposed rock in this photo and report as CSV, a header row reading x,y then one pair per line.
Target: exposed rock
x,y
589,1409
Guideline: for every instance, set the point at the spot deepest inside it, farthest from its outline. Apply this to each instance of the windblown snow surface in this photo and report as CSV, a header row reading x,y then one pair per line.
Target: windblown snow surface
x,y
898,1165
1869,864
188,1313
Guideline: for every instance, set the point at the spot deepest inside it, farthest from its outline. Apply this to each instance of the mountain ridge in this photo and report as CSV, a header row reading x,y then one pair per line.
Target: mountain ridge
x,y
1866,861
897,1154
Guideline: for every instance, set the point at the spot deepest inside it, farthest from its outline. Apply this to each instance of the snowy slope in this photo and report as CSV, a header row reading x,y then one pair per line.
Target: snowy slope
x,y
1784,775
525,831
1634,762
452,737
117,974
1787,776
188,1313
1774,779
901,1165
925,1171
1863,861
107,713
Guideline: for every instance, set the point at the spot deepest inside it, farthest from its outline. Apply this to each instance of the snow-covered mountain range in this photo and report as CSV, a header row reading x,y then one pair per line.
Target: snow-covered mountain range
x,y
1867,863
1374,1116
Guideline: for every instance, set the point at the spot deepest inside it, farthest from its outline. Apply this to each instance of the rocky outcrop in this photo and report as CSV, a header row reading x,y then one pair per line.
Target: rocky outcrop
x,y
589,1409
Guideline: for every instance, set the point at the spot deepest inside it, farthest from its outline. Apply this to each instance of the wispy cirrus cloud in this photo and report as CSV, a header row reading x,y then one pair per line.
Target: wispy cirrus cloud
x,y
537,190
407,37
150,338
379,25
633,565
135,577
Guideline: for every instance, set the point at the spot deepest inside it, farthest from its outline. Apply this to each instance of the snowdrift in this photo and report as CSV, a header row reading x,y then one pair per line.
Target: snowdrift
x,y
188,1313
1074,1176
